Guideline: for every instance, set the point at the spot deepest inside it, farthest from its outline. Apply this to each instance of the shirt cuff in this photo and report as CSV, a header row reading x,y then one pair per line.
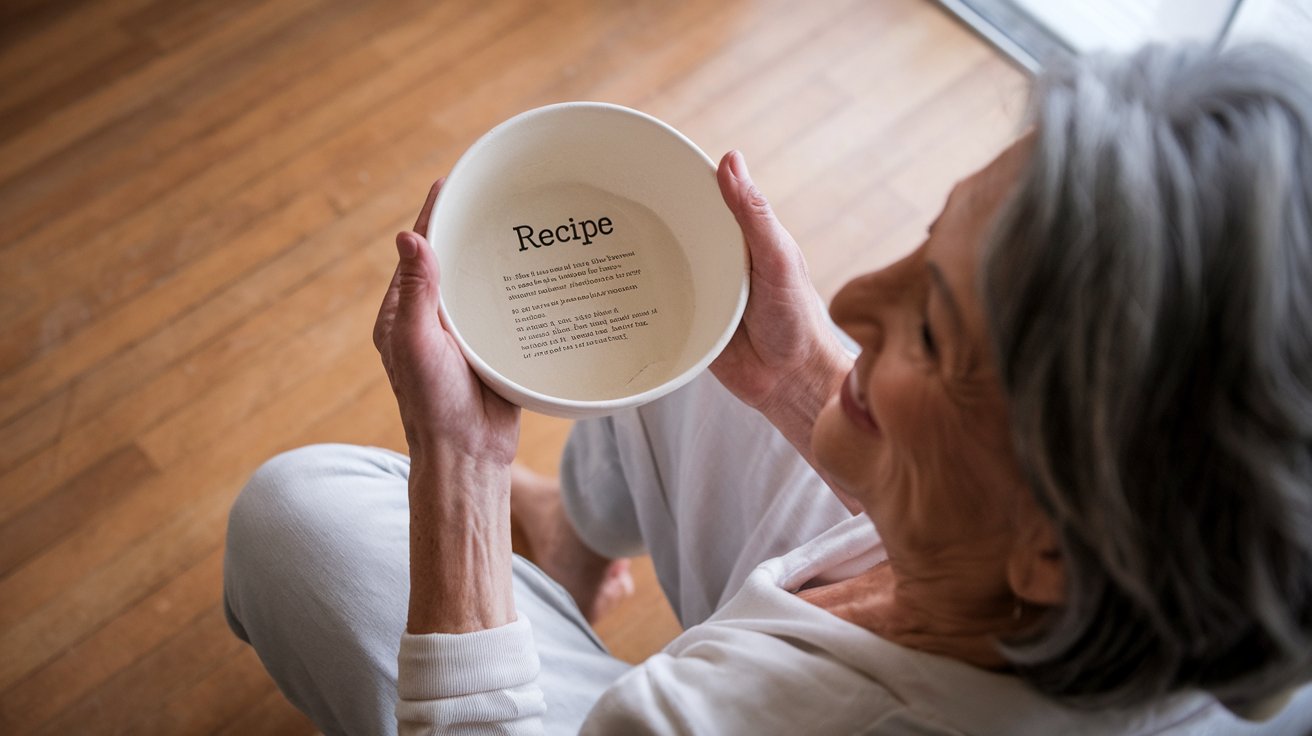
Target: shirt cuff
x,y
434,666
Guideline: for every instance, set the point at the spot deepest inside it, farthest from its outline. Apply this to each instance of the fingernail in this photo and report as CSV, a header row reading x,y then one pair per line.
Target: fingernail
x,y
738,165
406,245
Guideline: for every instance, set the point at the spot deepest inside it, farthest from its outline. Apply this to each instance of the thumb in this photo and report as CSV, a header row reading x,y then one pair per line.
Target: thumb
x,y
417,280
772,248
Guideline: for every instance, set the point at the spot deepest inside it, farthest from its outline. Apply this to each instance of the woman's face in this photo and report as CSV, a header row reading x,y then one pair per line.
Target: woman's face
x,y
918,433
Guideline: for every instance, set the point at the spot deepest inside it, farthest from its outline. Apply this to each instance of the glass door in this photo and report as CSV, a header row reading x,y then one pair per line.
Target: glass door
x,y
1032,31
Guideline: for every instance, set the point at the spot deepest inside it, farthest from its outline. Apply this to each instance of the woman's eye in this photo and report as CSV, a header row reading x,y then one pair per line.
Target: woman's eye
x,y
927,337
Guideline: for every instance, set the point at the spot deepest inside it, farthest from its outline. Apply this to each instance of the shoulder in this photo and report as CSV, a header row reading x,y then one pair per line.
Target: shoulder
x,y
745,684
766,663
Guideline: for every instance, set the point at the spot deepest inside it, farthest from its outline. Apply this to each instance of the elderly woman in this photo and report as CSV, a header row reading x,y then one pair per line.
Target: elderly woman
x,y
1071,469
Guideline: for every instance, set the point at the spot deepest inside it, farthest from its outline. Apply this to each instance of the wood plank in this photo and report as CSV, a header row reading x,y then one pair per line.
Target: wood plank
x,y
808,158
34,431
145,262
103,105
28,54
262,290
368,419
989,95
81,671
170,301
140,156
236,684
98,430
28,98
33,327
928,179
113,564
671,44
170,24
98,70
22,17
358,419
769,36
49,373
192,654
149,392
99,231
294,362
226,407
80,500
80,352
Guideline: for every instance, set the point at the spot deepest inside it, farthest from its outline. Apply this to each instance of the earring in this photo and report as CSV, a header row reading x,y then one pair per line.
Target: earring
x,y
1018,610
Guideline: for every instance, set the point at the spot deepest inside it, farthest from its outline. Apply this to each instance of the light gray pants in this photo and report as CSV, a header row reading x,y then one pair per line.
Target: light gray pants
x,y
316,573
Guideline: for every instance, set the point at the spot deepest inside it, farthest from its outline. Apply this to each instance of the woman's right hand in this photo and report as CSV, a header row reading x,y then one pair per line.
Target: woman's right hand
x,y
784,360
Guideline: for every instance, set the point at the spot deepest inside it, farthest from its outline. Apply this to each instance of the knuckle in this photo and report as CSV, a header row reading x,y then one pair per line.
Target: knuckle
x,y
412,284
757,202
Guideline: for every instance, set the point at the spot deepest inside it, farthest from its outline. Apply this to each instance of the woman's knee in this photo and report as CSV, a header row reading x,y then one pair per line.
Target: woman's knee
x,y
283,489
301,508
263,525
309,493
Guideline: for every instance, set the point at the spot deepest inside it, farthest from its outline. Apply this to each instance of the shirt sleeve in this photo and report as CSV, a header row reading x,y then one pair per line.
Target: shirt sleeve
x,y
480,682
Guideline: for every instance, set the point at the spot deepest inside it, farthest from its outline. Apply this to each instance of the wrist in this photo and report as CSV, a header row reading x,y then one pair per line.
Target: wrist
x,y
454,491
458,466
796,401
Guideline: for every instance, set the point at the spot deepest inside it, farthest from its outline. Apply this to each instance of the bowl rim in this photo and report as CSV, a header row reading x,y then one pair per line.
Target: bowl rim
x,y
579,407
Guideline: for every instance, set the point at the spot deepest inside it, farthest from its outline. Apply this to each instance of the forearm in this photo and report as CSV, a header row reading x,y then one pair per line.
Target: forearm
x,y
794,407
460,553
462,608
797,400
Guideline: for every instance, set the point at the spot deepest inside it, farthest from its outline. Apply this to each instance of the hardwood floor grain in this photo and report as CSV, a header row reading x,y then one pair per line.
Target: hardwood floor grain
x,y
197,202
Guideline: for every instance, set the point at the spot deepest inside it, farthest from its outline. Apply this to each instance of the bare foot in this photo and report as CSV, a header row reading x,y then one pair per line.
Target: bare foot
x,y
598,584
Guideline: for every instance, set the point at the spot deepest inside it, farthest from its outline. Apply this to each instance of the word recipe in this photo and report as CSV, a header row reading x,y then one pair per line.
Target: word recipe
x,y
571,231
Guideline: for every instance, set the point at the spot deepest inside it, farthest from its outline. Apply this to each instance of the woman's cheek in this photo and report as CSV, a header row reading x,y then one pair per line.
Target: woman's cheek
x,y
843,451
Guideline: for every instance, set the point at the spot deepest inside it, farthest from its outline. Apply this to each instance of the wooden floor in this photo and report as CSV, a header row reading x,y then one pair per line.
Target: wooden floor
x,y
197,203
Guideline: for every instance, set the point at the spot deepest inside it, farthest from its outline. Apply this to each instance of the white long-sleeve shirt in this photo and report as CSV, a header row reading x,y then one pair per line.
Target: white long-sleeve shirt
x,y
768,662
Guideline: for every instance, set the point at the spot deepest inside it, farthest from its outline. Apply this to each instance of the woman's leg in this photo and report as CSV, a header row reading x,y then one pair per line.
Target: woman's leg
x,y
597,583
316,579
702,482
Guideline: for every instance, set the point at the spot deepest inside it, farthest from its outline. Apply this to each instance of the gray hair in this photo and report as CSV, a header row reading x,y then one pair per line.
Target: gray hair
x,y
1149,295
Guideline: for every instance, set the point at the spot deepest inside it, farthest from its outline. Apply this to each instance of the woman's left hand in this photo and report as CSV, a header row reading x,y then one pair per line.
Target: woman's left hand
x,y
445,408
462,439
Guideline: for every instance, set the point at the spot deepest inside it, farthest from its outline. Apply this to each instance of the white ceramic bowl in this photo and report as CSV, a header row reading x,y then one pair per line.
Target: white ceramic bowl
x,y
588,261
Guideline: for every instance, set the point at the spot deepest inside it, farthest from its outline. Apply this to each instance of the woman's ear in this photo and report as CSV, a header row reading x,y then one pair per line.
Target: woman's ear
x,y
1035,569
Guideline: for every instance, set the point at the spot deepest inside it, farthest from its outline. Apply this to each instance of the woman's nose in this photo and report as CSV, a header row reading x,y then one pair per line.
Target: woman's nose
x,y
856,311
867,304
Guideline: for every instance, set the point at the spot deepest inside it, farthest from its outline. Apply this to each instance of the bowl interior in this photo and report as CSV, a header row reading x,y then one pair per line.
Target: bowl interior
x,y
586,253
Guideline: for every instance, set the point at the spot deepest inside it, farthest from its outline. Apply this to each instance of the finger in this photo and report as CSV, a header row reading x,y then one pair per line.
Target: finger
x,y
417,288
772,248
426,212
387,312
